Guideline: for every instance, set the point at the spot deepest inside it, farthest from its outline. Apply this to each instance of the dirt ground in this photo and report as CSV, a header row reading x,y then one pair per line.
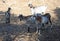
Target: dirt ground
x,y
20,32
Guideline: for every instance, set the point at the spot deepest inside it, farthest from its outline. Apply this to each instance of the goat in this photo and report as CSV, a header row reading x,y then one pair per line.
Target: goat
x,y
7,15
44,19
21,17
35,10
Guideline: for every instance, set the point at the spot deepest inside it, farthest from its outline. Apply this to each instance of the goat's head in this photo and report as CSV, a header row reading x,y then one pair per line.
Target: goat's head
x,y
20,17
30,5
9,9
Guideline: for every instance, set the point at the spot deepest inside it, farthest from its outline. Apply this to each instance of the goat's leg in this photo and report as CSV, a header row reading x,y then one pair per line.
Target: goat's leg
x,y
42,25
38,29
20,19
41,29
50,23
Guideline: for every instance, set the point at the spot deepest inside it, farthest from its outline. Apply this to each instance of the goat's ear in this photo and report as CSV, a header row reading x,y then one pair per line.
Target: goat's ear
x,y
29,5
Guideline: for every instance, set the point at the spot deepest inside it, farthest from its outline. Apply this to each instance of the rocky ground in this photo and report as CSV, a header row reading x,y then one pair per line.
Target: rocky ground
x,y
20,32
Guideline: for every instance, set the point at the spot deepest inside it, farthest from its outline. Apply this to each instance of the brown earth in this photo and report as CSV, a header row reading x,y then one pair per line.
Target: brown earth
x,y
20,30
21,7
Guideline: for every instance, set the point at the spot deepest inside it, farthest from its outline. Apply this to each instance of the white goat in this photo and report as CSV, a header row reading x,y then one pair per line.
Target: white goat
x,y
37,10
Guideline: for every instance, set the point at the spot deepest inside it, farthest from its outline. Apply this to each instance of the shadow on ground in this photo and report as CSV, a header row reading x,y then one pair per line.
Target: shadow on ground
x,y
57,12
9,32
